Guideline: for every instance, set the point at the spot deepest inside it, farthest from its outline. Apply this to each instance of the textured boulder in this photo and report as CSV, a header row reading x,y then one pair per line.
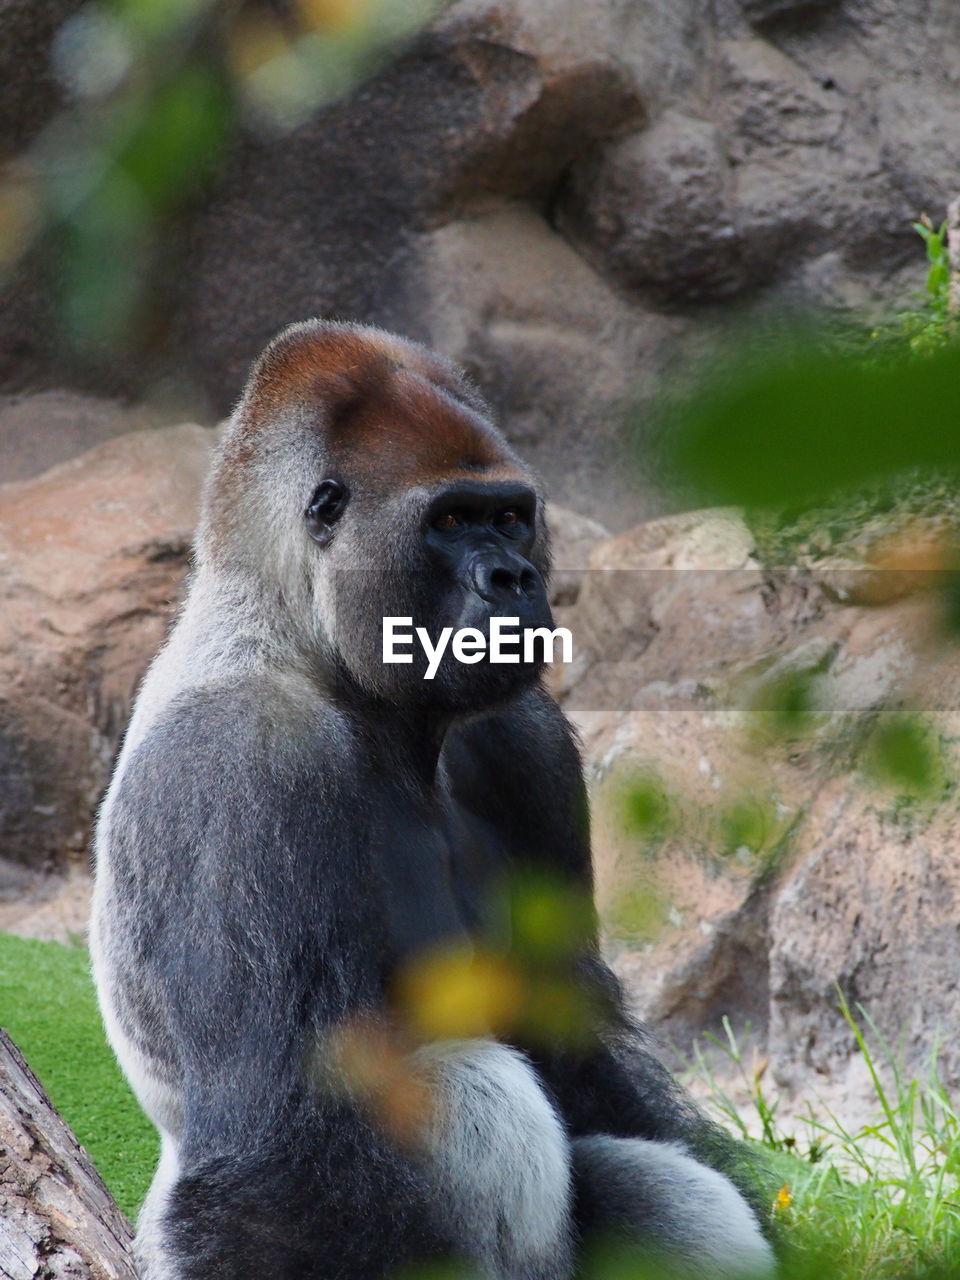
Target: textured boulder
x,y
656,212
668,617
29,91
762,12
786,152
748,862
568,197
572,540
870,907
552,346
422,213
38,431
490,105
92,554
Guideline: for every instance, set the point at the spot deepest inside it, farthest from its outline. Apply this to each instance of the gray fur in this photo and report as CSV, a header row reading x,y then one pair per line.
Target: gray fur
x,y
686,1214
501,1159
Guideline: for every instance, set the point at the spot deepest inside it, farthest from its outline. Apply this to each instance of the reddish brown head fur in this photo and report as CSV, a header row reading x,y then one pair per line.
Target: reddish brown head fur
x,y
391,409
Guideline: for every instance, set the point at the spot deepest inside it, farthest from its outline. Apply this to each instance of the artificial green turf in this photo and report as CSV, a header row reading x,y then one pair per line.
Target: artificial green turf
x,y
48,1006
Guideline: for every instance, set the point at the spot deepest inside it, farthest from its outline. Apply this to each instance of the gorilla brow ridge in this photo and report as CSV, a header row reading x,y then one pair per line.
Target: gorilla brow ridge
x,y
341,365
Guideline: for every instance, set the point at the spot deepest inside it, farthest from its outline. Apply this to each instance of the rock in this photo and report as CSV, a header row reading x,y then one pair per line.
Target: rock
x,y
869,908
488,106
633,614
38,431
53,907
669,617
747,862
572,539
570,197
808,176
783,155
29,92
762,12
92,554
656,213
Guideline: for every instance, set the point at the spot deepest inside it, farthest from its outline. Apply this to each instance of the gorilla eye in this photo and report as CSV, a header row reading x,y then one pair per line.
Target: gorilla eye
x,y
326,507
447,521
508,517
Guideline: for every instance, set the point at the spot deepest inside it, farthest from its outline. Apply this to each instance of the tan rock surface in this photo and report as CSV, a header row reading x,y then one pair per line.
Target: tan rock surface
x,y
92,554
41,430
745,869
53,907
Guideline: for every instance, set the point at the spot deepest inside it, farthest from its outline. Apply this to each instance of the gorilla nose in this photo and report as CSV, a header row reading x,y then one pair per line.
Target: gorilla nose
x,y
502,578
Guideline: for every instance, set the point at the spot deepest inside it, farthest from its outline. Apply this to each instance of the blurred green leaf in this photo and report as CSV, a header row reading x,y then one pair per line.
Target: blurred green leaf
x,y
750,822
791,428
104,249
903,753
786,704
550,919
155,91
639,913
154,20
181,137
937,277
645,806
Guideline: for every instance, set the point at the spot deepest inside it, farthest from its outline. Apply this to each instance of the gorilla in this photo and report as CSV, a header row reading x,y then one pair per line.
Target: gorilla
x,y
296,831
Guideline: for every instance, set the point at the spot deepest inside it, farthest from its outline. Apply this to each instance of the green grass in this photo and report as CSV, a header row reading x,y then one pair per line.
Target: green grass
x,y
48,1006
878,1203
881,1202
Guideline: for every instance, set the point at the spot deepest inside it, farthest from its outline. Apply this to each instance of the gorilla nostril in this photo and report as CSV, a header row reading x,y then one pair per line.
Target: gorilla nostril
x,y
503,579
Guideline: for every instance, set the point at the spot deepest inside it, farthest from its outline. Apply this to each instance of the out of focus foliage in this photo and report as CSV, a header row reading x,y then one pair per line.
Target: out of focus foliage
x,y
523,984
158,93
795,425
854,520
877,1202
799,419
904,753
927,326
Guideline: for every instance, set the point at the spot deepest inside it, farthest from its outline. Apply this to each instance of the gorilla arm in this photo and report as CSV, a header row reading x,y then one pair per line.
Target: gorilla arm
x,y
520,770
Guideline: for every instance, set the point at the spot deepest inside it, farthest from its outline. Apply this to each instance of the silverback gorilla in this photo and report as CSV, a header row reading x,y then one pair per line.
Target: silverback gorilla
x,y
293,823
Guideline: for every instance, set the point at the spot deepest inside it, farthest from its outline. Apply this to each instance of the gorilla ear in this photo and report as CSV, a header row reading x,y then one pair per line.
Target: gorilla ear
x,y
327,505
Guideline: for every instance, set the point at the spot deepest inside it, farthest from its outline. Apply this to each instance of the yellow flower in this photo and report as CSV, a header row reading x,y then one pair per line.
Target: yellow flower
x,y
783,1199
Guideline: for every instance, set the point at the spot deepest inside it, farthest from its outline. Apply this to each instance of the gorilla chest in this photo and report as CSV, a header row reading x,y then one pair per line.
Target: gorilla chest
x,y
439,870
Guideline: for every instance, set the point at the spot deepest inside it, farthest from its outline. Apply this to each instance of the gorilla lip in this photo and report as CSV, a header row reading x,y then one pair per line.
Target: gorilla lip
x,y
505,644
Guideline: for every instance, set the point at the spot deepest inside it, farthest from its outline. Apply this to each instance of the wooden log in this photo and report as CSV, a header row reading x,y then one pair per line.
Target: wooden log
x,y
57,1219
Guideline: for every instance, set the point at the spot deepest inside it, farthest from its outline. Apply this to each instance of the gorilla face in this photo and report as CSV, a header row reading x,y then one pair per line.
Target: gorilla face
x,y
478,538
461,558
363,478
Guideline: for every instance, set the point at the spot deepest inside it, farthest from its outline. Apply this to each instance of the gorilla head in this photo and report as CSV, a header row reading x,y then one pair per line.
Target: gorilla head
x,y
362,478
